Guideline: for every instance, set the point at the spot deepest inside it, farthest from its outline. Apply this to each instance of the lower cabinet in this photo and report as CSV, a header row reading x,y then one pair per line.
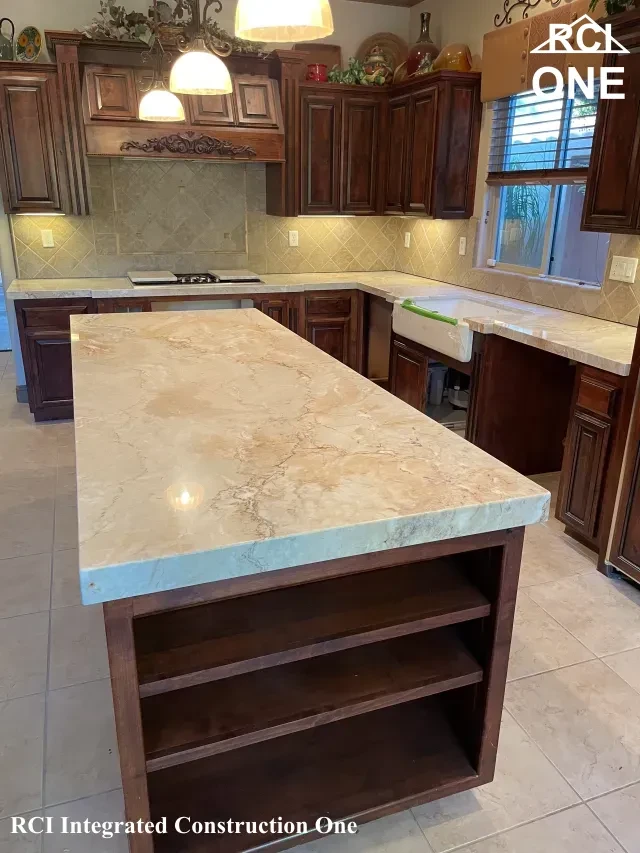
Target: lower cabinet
x,y
588,448
46,350
408,373
333,323
283,311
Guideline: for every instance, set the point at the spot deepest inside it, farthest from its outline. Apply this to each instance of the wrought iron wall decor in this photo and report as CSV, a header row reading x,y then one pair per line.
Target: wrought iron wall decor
x,y
509,6
189,143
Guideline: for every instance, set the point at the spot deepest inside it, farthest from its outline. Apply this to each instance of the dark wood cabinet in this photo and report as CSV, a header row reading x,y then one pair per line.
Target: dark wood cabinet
x,y
212,110
432,143
333,321
320,155
588,447
111,93
360,150
46,351
408,373
612,201
33,173
283,310
256,101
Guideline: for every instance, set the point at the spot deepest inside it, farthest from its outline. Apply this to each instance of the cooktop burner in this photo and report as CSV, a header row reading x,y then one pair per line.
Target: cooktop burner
x,y
194,278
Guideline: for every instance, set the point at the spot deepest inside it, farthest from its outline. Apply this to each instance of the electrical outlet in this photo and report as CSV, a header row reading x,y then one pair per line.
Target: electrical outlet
x,y
462,246
624,269
293,239
407,239
46,235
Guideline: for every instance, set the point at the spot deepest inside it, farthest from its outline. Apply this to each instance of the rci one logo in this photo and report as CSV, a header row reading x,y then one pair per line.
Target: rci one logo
x,y
572,39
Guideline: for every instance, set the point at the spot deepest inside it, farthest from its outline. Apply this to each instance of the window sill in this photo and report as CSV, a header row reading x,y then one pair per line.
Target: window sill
x,y
545,279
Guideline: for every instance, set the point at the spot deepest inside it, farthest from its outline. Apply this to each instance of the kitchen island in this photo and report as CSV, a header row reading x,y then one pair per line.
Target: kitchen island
x,y
309,587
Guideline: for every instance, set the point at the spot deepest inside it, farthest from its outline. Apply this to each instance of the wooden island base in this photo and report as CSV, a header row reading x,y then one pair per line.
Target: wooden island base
x,y
351,689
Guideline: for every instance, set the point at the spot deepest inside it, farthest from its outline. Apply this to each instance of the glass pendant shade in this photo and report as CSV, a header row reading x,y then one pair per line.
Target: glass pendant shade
x,y
160,105
283,20
199,72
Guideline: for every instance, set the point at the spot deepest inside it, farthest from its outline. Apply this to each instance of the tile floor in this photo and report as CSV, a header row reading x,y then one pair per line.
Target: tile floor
x,y
568,777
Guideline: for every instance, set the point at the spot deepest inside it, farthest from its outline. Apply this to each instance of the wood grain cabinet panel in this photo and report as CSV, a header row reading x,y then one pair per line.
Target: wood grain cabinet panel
x,y
111,93
398,138
212,110
331,335
421,152
256,101
283,311
612,201
321,153
333,321
32,171
408,373
360,150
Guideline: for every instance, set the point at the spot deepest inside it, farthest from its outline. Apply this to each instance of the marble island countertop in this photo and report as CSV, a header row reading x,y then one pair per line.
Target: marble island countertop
x,y
598,343
213,445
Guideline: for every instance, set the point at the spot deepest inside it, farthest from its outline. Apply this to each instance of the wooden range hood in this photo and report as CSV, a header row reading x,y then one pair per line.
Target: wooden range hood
x,y
102,83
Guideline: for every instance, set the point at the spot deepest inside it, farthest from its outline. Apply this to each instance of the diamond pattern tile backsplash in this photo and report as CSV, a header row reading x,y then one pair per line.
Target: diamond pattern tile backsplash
x,y
190,216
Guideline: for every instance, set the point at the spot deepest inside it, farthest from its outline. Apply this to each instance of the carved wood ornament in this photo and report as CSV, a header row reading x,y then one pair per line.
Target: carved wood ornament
x,y
189,143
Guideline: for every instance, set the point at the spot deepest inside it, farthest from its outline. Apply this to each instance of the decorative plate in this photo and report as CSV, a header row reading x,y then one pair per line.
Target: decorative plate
x,y
394,48
28,44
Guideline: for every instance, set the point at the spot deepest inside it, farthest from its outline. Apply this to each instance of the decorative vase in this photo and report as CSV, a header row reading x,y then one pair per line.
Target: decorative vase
x,y
377,68
424,49
317,72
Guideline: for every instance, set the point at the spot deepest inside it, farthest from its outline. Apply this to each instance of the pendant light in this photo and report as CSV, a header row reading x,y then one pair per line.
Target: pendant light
x,y
158,104
283,20
200,71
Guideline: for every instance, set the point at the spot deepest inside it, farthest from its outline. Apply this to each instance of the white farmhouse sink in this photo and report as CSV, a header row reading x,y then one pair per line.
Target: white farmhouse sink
x,y
455,341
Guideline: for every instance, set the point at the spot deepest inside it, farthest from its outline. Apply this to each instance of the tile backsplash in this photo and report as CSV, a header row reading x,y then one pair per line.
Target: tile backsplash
x,y
190,216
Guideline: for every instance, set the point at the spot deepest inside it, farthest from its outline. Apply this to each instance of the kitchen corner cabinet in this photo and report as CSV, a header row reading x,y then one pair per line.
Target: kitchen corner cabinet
x,y
432,146
408,372
32,173
612,200
340,148
45,341
588,446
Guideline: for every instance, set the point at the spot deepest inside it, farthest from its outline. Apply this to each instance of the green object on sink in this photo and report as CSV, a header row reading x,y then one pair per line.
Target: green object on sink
x,y
410,305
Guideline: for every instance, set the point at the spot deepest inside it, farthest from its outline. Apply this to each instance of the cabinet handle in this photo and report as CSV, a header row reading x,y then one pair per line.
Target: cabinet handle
x,y
526,32
523,79
524,54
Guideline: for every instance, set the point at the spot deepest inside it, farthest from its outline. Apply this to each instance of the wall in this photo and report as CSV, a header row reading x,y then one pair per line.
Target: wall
x,y
189,217
353,21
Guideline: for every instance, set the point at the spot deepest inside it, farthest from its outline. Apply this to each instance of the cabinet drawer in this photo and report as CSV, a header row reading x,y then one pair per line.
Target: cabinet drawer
x,y
597,393
334,305
52,317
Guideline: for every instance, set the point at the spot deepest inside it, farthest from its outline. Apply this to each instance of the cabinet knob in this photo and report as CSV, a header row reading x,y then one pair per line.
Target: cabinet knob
x,y
523,78
526,32
524,54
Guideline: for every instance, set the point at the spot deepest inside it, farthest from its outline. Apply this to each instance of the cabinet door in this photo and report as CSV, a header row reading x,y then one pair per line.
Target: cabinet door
x,y
408,372
360,153
320,153
212,110
396,155
111,93
51,388
626,547
612,199
283,311
256,101
421,152
586,455
331,335
32,171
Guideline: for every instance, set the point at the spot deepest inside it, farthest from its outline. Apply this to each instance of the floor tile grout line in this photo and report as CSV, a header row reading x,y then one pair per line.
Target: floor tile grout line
x,y
549,671
564,628
605,827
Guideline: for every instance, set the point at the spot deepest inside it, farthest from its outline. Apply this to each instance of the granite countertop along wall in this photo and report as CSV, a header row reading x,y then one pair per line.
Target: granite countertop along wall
x,y
280,456
598,343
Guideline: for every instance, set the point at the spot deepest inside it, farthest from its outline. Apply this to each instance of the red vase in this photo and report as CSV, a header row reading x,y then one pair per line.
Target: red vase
x,y
424,48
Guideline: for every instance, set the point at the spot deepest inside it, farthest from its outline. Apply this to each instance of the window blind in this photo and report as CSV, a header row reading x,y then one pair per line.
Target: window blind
x,y
544,140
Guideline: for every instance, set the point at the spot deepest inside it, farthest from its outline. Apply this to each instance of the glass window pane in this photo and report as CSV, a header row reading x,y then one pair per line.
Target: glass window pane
x,y
576,254
522,225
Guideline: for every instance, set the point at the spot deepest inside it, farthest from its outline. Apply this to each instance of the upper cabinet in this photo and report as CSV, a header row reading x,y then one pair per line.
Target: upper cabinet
x,y
111,93
340,142
433,138
408,149
612,201
32,146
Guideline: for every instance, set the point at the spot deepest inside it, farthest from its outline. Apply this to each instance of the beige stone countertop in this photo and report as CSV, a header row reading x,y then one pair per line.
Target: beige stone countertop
x,y
598,343
217,444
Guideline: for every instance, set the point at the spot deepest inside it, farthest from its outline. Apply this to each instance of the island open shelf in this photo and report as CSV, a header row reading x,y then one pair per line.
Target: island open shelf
x,y
351,688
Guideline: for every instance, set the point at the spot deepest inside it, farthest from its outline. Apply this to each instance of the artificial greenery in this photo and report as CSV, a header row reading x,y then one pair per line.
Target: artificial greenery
x,y
354,75
614,6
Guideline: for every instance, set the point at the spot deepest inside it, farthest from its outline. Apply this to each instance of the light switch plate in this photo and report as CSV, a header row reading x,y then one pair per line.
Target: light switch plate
x,y
624,269
407,239
462,246
293,239
46,235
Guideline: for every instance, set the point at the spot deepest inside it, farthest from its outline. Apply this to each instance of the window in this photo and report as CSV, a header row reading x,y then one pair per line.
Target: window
x,y
538,163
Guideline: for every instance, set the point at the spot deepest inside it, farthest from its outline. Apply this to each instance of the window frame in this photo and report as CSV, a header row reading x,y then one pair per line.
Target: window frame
x,y
556,178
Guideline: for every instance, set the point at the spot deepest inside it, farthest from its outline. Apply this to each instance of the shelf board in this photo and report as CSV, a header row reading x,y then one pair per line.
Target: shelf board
x,y
235,636
219,716
358,769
